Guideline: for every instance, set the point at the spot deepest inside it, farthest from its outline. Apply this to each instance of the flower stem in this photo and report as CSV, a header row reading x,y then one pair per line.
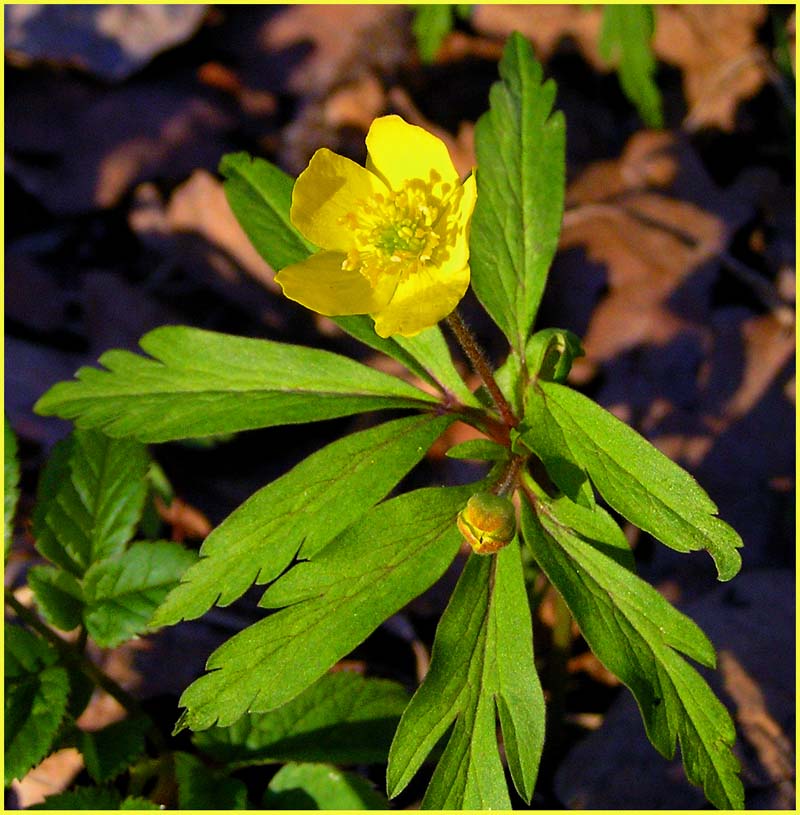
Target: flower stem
x,y
77,659
481,366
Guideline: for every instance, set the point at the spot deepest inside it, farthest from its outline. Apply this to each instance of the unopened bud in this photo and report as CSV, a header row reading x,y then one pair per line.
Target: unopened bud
x,y
488,522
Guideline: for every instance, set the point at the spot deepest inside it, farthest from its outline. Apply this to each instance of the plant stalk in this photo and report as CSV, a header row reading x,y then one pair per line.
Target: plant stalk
x,y
481,366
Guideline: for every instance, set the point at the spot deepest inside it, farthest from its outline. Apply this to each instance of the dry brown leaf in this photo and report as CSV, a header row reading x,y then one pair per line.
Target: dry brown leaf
x,y
589,664
768,346
765,735
355,104
186,521
344,40
51,777
545,26
648,242
716,47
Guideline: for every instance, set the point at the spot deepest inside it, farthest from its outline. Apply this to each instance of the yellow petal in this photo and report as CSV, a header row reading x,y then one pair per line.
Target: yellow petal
x,y
320,283
453,227
399,151
421,301
325,192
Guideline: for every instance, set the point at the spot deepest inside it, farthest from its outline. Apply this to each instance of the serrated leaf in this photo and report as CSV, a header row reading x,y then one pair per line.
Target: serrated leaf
x,y
366,574
520,146
343,718
59,596
625,41
482,656
10,484
107,752
36,692
200,787
638,635
90,498
432,23
260,196
121,593
200,383
636,479
308,506
92,798
320,786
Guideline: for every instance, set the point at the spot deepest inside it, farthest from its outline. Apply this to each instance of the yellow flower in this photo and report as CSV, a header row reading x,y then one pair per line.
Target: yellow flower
x,y
394,237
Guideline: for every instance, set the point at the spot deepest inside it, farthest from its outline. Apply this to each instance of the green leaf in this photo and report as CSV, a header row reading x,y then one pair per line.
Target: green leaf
x,y
520,146
320,786
478,450
134,802
372,569
482,656
59,596
91,496
92,798
636,479
260,195
343,718
309,505
432,23
10,484
625,40
200,787
122,592
551,352
107,752
36,692
200,383
638,635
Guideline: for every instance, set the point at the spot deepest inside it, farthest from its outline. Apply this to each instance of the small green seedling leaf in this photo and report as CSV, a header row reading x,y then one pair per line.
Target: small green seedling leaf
x,y
636,479
343,718
520,147
308,506
201,383
638,635
107,752
371,570
320,786
478,450
482,657
10,484
551,352
625,41
122,592
59,596
91,496
200,787
36,692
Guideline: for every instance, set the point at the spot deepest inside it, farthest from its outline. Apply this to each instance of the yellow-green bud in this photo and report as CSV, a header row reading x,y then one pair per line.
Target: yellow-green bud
x,y
488,522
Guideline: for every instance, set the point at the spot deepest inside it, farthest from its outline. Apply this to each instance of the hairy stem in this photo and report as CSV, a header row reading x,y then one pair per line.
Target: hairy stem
x,y
481,366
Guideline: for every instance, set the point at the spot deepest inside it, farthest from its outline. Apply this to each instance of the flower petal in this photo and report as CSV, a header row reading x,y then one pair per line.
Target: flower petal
x,y
399,151
320,283
421,301
453,226
327,190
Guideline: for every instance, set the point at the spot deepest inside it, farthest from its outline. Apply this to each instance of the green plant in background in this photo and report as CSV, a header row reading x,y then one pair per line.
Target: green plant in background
x,y
432,23
625,40
338,557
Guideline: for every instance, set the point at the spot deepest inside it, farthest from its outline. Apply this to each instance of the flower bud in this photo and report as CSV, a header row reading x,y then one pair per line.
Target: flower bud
x,y
488,522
